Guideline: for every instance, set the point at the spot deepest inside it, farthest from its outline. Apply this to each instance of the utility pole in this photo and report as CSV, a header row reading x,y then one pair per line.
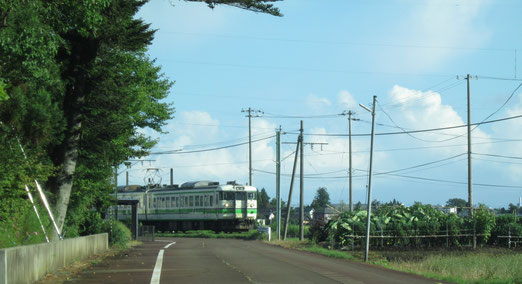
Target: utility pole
x,y
299,145
369,209
278,181
350,170
301,187
470,186
288,207
251,113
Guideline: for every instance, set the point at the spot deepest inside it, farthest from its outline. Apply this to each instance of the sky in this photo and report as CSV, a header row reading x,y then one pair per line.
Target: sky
x,y
323,58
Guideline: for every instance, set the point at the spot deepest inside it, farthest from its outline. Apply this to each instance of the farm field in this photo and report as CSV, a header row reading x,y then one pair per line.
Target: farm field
x,y
485,265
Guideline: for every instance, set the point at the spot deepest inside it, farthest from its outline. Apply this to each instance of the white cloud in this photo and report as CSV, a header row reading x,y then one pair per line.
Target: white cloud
x,y
346,100
509,130
317,103
433,29
197,130
425,110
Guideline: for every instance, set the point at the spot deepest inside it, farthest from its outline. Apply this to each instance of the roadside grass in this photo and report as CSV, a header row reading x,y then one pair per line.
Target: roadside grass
x,y
250,235
311,247
486,265
482,266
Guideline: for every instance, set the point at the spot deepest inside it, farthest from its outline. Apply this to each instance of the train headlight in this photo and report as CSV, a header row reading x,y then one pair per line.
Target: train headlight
x,y
226,205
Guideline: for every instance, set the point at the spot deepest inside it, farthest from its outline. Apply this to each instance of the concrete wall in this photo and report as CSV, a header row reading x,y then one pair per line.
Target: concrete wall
x,y
27,264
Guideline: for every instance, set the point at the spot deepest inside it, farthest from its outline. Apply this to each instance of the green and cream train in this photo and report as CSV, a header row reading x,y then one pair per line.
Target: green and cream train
x,y
201,205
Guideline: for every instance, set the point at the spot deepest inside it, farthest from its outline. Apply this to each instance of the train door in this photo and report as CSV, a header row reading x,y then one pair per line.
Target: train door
x,y
241,204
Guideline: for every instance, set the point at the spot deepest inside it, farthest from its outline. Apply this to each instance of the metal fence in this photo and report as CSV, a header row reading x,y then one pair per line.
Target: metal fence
x,y
465,238
146,233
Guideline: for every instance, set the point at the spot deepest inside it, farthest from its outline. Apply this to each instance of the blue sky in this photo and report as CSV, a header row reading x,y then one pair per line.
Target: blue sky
x,y
323,59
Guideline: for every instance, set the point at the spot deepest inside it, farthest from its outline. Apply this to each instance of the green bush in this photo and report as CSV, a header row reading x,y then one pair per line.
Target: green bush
x,y
23,227
120,235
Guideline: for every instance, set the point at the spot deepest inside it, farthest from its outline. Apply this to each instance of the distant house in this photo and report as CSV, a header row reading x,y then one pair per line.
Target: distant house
x,y
449,210
322,215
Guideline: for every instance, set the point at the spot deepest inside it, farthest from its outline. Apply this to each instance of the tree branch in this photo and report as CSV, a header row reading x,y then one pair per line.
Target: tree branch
x,y
258,6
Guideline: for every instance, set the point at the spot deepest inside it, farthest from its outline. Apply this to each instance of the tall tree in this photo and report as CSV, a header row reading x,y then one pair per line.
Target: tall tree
x,y
263,200
75,88
456,202
321,199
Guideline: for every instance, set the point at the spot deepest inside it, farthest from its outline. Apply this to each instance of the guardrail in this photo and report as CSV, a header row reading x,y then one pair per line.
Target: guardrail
x,y
27,264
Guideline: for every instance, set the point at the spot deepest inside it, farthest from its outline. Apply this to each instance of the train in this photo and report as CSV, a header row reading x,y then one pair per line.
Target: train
x,y
197,205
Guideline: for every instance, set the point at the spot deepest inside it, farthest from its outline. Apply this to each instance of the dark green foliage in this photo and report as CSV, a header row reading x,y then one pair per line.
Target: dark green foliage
x,y
76,87
417,226
456,202
321,199
119,234
252,5
22,226
273,204
262,200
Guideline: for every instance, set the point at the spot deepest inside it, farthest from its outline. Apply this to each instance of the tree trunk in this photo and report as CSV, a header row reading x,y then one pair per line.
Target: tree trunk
x,y
82,55
64,179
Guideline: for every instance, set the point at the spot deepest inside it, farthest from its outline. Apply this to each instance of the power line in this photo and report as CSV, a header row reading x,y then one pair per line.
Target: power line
x,y
273,115
321,175
422,165
353,43
176,152
413,97
457,182
499,78
403,130
415,131
309,69
496,161
409,177
499,156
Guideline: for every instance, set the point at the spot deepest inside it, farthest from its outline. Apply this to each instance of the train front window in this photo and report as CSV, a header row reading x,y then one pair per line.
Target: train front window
x,y
229,196
251,195
240,195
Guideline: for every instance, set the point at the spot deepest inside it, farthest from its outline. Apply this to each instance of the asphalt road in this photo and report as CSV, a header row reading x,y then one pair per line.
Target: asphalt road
x,y
191,260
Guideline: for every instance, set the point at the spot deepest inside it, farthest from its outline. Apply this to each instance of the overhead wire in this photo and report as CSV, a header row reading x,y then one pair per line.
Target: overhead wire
x,y
177,152
499,156
413,131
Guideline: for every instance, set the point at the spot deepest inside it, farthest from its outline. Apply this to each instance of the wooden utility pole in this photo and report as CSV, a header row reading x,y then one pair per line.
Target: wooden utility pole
x,y
470,186
350,170
288,207
470,170
301,187
369,209
278,182
250,115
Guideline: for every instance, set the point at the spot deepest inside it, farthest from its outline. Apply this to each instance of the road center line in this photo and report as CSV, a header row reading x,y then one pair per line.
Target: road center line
x,y
167,246
157,269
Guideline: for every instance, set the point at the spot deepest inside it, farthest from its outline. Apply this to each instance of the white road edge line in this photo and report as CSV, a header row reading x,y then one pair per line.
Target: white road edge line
x,y
157,269
167,246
